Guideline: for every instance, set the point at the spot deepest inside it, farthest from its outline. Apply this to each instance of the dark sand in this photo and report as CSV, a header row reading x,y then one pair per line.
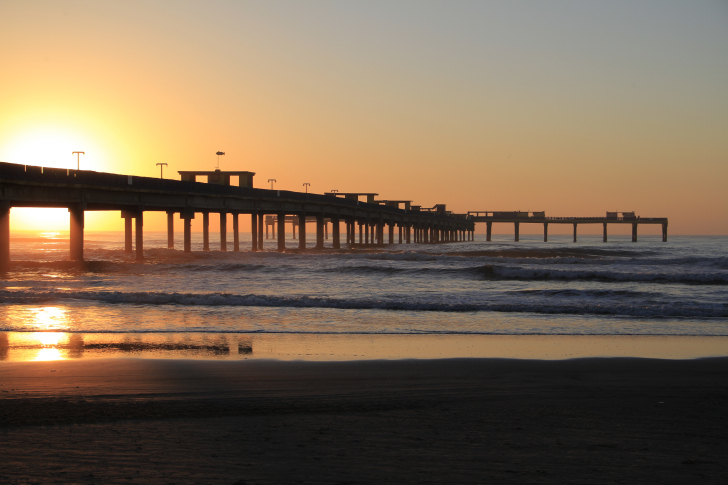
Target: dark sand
x,y
417,421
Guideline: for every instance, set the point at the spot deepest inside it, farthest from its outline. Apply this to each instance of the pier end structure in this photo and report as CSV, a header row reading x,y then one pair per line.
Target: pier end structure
x,y
539,217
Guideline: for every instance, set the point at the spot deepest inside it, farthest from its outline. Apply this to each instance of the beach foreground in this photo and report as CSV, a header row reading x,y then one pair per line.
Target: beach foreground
x,y
408,421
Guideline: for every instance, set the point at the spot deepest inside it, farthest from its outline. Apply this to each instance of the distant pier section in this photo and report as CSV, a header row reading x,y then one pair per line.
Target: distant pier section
x,y
517,218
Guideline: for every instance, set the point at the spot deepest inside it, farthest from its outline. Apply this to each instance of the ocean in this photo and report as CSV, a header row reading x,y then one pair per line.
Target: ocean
x,y
471,295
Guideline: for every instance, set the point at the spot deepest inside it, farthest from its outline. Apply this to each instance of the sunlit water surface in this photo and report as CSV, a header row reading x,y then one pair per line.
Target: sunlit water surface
x,y
474,299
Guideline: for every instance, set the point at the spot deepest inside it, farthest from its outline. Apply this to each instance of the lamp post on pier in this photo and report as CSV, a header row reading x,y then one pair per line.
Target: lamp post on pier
x,y
306,184
161,168
272,181
218,159
78,159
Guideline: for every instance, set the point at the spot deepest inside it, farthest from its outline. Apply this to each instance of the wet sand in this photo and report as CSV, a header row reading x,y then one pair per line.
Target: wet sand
x,y
408,421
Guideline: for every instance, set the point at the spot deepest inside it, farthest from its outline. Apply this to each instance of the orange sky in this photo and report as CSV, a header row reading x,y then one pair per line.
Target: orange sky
x,y
566,107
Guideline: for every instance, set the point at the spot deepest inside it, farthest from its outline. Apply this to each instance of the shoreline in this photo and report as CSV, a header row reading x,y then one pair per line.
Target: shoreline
x,y
32,346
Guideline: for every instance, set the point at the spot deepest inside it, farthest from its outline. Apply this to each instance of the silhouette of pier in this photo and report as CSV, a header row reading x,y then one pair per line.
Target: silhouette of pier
x,y
132,196
518,218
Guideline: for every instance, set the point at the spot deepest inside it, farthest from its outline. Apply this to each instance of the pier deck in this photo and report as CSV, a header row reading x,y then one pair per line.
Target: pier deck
x,y
83,190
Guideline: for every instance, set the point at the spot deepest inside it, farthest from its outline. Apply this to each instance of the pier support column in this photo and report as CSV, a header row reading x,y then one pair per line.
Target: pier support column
x,y
391,233
408,234
634,232
4,238
139,229
326,230
488,230
236,232
574,232
399,226
266,231
170,229
517,229
205,231
320,231
604,236
281,232
361,236
223,231
366,233
128,246
664,233
302,231
76,236
426,234
545,232
187,229
254,231
260,231
336,232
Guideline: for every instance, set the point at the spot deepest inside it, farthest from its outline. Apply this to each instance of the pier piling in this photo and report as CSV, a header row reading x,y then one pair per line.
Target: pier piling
x,y
139,236
236,233
205,231
336,232
281,232
76,232
302,231
170,229
223,231
4,238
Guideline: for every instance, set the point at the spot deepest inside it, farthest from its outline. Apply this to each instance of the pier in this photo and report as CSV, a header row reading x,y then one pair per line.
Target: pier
x,y
518,218
83,190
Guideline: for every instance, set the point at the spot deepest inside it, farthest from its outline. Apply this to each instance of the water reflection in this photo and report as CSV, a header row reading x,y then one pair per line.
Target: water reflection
x,y
46,346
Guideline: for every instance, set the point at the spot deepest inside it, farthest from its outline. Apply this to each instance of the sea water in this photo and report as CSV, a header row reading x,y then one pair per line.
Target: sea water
x,y
222,303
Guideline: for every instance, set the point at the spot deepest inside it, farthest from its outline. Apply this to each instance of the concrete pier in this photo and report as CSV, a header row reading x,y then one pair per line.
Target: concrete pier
x,y
281,232
302,231
187,227
128,244
205,231
517,218
517,230
223,231
236,232
4,238
260,231
76,232
336,232
139,229
254,231
170,229
319,232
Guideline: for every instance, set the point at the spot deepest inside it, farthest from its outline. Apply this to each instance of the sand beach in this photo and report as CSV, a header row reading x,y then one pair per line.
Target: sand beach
x,y
591,420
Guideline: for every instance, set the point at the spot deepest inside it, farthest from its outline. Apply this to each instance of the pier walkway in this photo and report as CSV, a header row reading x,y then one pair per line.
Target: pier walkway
x,y
132,196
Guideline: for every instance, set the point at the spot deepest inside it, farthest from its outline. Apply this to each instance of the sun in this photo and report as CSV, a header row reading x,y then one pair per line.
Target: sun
x,y
52,146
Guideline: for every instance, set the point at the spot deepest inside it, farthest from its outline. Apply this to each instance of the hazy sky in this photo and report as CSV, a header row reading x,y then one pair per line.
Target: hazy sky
x,y
574,108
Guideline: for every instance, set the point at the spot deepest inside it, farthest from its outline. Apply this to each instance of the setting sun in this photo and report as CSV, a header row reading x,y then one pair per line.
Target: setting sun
x,y
51,146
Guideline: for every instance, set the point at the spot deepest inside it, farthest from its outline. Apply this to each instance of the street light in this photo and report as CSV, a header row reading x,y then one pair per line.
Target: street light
x,y
78,158
333,191
218,159
161,168
271,182
306,184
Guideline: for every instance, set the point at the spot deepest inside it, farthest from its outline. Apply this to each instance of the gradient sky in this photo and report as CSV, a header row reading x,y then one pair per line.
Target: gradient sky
x,y
572,107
